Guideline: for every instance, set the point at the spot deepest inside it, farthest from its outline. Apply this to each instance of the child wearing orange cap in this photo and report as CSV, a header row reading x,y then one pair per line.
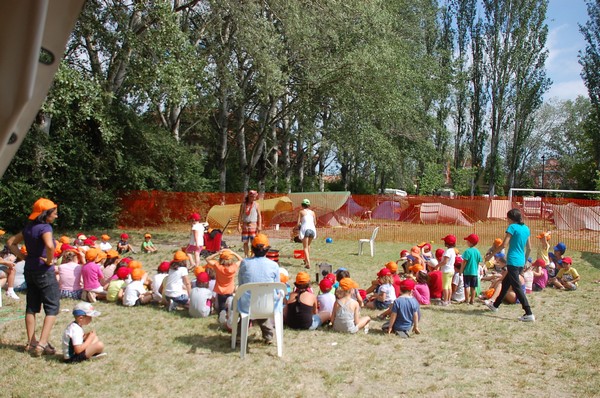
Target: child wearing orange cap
x,y
177,288
104,243
544,246
226,264
405,312
385,294
345,316
135,293
92,277
147,245
489,255
301,311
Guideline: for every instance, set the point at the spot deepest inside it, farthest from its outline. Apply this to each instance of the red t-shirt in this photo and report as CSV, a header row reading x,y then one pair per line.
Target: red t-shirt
x,y
396,284
435,284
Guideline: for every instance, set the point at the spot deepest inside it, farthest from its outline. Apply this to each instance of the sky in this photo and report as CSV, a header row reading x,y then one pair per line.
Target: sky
x,y
564,43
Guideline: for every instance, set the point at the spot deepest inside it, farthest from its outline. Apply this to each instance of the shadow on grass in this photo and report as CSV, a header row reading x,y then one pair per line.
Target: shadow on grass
x,y
592,258
200,343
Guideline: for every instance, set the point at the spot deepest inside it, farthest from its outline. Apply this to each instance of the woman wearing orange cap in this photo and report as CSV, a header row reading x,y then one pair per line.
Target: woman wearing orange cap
x,y
301,311
42,286
249,220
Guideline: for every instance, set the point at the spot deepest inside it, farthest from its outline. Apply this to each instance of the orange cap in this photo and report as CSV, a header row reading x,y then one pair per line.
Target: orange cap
x,y
302,278
180,256
392,266
65,240
198,269
137,274
147,236
2,232
347,284
415,251
135,265
544,235
498,242
260,239
226,255
91,255
415,268
40,206
101,255
105,237
112,254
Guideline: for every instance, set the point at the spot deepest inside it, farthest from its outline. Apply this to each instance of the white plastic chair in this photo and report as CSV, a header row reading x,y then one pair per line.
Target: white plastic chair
x,y
371,242
262,306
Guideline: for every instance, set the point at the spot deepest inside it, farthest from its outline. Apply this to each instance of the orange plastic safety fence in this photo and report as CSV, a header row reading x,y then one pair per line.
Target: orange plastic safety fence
x,y
408,220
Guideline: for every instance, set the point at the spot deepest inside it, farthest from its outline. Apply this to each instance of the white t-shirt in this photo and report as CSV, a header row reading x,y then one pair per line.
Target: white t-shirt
x,y
326,302
459,294
198,306
451,254
157,281
200,228
174,285
105,246
390,293
73,333
132,293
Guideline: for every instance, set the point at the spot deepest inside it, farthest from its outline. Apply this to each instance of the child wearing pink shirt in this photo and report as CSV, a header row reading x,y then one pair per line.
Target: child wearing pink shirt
x,y
69,274
92,277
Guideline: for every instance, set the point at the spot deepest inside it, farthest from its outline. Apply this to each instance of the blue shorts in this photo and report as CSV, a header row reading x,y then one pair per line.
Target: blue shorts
x,y
380,305
470,281
316,322
183,299
309,233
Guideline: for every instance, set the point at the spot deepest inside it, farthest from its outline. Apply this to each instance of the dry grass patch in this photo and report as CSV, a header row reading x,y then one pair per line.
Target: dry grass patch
x,y
463,350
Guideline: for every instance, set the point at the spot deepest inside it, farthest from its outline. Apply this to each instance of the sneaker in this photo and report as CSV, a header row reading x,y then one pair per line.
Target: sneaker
x,y
100,355
172,306
490,305
366,330
12,295
527,318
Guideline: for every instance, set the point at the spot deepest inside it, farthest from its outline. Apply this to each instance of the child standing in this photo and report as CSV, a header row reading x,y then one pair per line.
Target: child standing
x,y
470,268
346,311
147,245
200,297
225,269
458,283
544,247
405,312
135,293
447,268
77,345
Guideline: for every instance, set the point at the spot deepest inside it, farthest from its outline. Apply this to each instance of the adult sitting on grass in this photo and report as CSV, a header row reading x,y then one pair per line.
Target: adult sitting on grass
x,y
301,311
258,269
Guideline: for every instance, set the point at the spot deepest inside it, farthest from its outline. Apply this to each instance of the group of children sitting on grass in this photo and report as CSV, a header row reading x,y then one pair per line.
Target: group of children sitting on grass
x,y
91,271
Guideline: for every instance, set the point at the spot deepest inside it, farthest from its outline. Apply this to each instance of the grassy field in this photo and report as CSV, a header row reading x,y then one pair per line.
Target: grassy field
x,y
462,350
